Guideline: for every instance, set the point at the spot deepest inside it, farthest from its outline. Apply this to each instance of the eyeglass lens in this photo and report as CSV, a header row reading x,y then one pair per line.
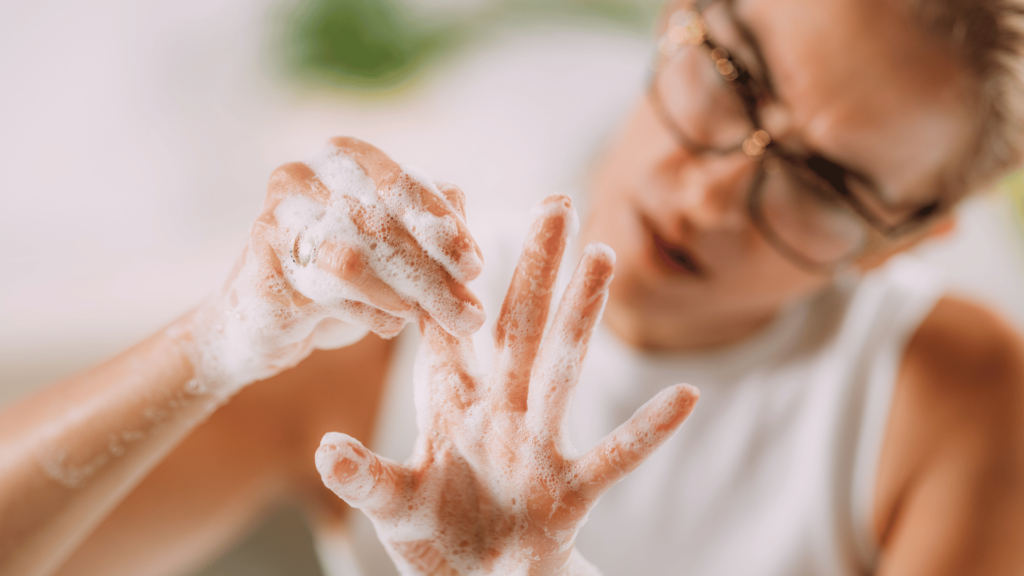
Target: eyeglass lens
x,y
806,216
703,107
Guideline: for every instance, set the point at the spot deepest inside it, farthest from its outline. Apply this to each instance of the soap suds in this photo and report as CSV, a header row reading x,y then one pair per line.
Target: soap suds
x,y
284,301
494,487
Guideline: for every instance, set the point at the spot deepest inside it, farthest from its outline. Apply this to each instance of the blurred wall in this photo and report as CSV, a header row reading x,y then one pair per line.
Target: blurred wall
x,y
137,138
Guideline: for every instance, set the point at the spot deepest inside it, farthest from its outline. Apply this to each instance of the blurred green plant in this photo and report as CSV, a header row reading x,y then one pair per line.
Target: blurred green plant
x,y
1013,187
377,44
363,43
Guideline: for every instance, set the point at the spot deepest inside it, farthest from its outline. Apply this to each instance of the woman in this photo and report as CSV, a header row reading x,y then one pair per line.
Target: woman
x,y
848,422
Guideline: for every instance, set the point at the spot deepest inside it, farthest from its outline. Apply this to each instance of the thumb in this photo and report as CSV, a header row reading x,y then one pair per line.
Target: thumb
x,y
357,475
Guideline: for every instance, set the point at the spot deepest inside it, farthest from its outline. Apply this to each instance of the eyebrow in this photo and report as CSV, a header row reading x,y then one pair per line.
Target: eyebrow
x,y
767,80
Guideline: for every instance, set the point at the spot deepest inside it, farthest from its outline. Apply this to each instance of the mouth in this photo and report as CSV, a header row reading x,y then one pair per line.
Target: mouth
x,y
674,257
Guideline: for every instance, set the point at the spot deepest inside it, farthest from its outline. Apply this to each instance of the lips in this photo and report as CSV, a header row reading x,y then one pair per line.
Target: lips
x,y
673,256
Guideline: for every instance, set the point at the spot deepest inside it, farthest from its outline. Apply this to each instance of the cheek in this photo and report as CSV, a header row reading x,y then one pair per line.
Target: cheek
x,y
770,280
633,154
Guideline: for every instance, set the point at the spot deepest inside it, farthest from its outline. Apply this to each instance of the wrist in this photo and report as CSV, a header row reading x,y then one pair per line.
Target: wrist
x,y
224,349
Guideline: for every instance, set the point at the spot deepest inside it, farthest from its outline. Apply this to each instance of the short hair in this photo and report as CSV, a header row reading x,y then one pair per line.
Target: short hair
x,y
987,36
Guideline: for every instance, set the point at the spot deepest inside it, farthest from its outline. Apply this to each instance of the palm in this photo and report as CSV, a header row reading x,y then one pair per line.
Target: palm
x,y
494,485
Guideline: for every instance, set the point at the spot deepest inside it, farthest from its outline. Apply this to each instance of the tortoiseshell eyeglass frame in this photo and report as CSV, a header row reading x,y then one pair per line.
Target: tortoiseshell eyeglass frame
x,y
688,27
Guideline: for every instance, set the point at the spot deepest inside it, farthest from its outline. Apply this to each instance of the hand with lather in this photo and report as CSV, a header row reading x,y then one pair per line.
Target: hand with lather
x,y
494,485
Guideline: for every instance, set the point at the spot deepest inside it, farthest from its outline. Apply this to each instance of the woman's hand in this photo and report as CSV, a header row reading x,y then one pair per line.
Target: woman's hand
x,y
494,486
347,242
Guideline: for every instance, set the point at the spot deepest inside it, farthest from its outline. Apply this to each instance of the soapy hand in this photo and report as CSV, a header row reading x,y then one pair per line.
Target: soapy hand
x,y
346,242
494,486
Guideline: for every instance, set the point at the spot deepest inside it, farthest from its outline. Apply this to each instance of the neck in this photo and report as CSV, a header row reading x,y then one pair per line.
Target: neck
x,y
677,333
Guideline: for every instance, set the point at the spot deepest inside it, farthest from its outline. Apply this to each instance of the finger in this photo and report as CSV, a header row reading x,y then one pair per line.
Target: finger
x,y
357,475
399,261
630,444
441,231
455,196
524,313
378,166
331,333
557,370
444,374
348,264
295,179
267,271
393,254
295,199
379,322
420,206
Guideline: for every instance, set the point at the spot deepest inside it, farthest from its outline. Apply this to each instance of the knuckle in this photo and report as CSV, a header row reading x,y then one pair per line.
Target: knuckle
x,y
454,194
345,142
295,178
350,261
291,173
344,261
391,326
616,456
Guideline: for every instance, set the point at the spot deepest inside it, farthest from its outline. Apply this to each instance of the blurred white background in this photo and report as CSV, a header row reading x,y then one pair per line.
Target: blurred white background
x,y
136,139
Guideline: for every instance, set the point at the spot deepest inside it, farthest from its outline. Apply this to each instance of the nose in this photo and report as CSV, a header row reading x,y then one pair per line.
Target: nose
x,y
712,189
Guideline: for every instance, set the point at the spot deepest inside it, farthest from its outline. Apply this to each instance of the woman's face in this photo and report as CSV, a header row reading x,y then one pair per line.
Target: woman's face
x,y
854,81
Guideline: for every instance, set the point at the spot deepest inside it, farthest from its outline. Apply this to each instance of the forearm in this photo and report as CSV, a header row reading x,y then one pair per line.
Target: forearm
x,y
69,454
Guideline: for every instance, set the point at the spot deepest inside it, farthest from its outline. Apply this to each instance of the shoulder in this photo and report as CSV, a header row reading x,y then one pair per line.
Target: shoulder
x,y
957,417
963,368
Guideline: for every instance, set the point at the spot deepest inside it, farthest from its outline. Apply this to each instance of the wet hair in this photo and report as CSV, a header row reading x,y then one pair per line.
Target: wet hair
x,y
987,36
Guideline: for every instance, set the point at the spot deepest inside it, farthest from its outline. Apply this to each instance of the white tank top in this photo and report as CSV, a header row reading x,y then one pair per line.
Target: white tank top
x,y
772,475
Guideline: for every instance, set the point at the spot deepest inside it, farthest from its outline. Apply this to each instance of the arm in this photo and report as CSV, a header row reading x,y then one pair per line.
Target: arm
x,y
950,498
71,452
248,458
332,249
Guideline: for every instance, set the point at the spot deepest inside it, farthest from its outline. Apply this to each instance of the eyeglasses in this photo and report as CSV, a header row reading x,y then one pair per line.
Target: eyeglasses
x,y
808,208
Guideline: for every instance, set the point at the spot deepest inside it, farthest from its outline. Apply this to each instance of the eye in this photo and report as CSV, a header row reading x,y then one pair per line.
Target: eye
x,y
815,188
926,211
830,172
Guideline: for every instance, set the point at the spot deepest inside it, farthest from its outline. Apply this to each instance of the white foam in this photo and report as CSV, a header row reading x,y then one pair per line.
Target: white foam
x,y
546,208
255,329
435,232
342,175
336,447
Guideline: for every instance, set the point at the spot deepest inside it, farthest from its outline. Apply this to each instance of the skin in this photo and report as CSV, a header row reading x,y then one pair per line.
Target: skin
x,y
952,466
650,186
472,499
950,487
73,452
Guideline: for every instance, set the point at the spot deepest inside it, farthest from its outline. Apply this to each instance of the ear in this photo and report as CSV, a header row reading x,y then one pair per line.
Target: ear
x,y
941,227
